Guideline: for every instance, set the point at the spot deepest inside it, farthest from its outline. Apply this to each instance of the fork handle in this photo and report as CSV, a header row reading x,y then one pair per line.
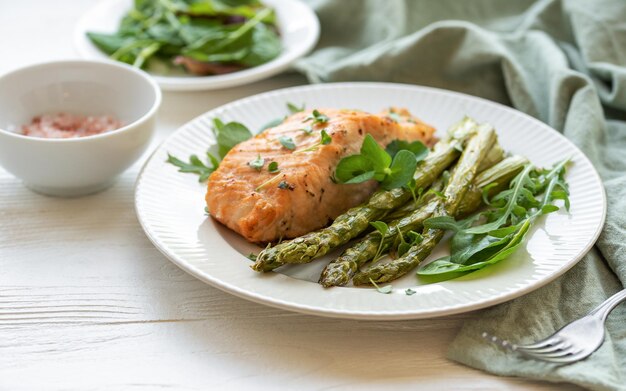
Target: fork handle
x,y
607,306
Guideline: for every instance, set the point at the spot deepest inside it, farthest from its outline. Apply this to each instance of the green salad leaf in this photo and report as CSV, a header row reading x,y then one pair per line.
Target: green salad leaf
x,y
505,224
203,36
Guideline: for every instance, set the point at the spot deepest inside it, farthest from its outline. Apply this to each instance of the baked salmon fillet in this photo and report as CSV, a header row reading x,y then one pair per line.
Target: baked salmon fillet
x,y
301,197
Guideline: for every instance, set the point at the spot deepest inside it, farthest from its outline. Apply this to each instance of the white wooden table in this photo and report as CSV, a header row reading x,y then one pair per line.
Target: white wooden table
x,y
87,303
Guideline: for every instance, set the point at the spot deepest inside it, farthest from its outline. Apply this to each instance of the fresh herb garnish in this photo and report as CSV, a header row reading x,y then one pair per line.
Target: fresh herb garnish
x,y
273,167
387,289
295,109
195,165
307,129
325,139
404,246
228,135
275,122
284,185
317,118
512,213
287,142
417,147
272,124
394,116
257,163
267,182
375,163
382,228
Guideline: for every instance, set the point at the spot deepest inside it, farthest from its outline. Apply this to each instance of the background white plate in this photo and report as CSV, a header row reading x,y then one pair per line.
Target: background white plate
x,y
170,208
298,24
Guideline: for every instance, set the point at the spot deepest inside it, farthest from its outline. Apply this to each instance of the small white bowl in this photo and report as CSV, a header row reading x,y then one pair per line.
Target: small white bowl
x,y
83,165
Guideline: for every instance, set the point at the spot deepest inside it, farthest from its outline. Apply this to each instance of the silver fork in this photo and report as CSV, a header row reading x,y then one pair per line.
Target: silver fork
x,y
573,342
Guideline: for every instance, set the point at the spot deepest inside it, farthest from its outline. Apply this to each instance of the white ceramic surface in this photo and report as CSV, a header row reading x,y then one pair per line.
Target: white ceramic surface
x,y
170,208
298,24
75,166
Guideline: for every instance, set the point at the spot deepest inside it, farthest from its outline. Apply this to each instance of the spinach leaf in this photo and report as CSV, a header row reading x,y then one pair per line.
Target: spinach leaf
x,y
512,213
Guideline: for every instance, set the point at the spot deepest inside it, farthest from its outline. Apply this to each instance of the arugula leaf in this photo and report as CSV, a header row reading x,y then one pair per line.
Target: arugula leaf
x,y
445,223
522,179
227,135
546,209
195,165
475,247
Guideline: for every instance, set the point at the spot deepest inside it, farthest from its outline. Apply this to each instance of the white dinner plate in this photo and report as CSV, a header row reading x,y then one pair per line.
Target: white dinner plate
x,y
298,25
170,207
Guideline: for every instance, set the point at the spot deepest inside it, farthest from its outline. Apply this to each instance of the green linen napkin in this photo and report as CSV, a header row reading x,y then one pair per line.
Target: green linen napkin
x,y
563,62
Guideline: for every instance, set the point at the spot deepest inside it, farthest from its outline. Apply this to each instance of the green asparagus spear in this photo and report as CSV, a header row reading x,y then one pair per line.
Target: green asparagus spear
x,y
356,220
341,270
458,185
496,154
496,177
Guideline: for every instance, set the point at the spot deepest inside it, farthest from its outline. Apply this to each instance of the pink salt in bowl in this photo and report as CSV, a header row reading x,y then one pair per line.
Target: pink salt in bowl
x,y
102,90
